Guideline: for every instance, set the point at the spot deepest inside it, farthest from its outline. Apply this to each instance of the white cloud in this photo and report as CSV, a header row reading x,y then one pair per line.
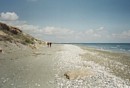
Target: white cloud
x,y
9,16
51,30
101,28
58,34
96,33
49,33
126,34
122,35
57,31
27,27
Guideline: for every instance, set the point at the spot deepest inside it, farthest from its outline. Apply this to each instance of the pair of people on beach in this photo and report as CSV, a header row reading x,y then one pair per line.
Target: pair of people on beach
x,y
49,44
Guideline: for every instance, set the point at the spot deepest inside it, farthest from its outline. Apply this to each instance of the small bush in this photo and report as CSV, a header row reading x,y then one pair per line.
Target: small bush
x,y
29,41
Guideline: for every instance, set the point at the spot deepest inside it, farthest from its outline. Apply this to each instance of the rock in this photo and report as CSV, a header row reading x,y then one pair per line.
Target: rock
x,y
15,30
4,26
1,50
78,74
11,29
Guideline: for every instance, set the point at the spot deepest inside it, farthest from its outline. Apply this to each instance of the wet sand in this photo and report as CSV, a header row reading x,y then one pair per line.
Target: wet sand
x,y
45,68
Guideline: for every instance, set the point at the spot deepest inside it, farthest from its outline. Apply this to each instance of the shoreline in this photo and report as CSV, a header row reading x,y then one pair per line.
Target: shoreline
x,y
116,62
75,58
103,71
121,51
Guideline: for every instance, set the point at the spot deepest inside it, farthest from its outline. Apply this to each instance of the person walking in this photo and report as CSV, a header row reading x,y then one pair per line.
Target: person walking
x,y
50,44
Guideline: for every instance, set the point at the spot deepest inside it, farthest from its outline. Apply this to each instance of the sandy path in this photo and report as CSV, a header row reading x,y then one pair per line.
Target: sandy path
x,y
34,70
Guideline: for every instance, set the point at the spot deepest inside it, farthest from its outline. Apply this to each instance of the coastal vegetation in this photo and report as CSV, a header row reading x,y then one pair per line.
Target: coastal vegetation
x,y
14,34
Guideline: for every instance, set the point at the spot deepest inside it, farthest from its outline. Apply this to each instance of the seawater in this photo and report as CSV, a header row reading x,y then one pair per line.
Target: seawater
x,y
117,47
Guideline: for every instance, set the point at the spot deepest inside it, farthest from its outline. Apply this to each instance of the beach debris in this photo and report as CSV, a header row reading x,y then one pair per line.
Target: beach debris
x,y
5,80
12,84
36,84
1,50
38,53
74,74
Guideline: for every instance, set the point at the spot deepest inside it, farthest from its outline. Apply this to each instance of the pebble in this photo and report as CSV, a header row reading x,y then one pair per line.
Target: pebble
x,y
70,59
36,84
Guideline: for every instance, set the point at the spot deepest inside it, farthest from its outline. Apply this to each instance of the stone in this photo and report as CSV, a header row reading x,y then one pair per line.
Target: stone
x,y
15,30
11,29
1,50
4,26
74,74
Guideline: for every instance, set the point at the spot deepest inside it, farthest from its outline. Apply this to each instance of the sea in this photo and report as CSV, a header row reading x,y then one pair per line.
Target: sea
x,y
116,47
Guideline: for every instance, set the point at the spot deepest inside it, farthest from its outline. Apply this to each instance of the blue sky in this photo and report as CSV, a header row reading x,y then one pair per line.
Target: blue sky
x,y
70,20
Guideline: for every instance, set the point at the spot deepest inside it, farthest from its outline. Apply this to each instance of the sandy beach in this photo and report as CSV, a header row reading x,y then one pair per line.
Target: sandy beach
x,y
23,67
64,43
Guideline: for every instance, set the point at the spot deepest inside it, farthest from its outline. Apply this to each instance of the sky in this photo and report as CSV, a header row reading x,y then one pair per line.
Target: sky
x,y
70,21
